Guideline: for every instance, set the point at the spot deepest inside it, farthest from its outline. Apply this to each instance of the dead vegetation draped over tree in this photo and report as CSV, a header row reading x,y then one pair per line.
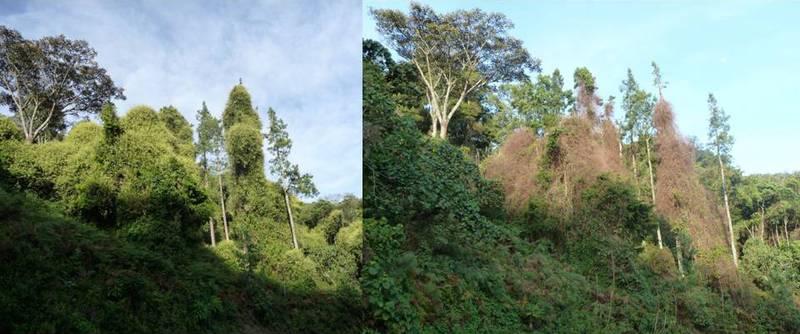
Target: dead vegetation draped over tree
x,y
559,164
515,165
680,197
567,159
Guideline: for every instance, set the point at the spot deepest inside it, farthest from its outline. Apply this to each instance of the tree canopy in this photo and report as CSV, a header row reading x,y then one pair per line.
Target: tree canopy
x,y
44,81
454,53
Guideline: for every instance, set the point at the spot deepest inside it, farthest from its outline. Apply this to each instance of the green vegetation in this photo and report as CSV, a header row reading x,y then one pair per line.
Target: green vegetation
x,y
568,220
128,226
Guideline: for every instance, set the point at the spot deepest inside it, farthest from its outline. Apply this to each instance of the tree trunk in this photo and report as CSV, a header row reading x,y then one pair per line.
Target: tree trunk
x,y
636,175
653,190
679,257
291,219
211,231
443,128
777,239
566,192
786,228
762,222
434,126
728,213
222,204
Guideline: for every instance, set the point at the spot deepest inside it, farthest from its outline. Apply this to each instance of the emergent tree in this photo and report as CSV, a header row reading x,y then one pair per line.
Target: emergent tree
x,y
455,54
43,81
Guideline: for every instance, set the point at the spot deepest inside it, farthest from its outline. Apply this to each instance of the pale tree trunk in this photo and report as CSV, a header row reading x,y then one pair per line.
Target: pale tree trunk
x,y
653,190
211,231
728,213
762,222
291,219
443,128
222,204
210,219
441,112
679,257
775,231
434,126
786,228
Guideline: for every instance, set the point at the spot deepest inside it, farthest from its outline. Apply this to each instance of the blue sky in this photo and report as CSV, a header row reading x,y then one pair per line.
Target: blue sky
x,y
303,58
746,53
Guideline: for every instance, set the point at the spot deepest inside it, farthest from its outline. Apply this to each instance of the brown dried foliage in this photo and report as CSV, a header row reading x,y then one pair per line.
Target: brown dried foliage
x,y
515,165
679,194
588,147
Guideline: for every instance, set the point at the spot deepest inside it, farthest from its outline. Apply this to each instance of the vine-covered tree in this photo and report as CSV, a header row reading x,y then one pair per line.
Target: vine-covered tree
x,y
720,139
44,81
243,141
455,54
289,177
176,124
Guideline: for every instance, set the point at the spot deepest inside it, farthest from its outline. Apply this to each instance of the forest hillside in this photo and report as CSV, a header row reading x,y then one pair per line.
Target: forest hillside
x,y
499,201
139,223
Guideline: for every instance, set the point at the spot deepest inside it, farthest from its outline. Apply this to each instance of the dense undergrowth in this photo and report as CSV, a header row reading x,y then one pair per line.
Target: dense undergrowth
x,y
443,254
63,276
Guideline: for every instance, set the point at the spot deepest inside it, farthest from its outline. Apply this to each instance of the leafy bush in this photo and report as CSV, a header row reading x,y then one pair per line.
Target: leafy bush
x,y
9,130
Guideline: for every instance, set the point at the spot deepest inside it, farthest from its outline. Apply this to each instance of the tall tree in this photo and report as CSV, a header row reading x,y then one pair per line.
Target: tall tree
x,y
43,81
657,80
289,177
454,53
636,126
210,145
243,139
208,132
221,162
648,129
721,141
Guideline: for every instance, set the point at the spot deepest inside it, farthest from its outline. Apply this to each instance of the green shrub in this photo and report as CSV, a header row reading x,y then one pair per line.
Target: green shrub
x,y
291,268
9,130
85,133
658,260
140,117
335,267
331,224
351,238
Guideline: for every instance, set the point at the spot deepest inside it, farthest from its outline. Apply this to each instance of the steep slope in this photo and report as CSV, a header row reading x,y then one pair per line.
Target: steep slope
x,y
58,275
